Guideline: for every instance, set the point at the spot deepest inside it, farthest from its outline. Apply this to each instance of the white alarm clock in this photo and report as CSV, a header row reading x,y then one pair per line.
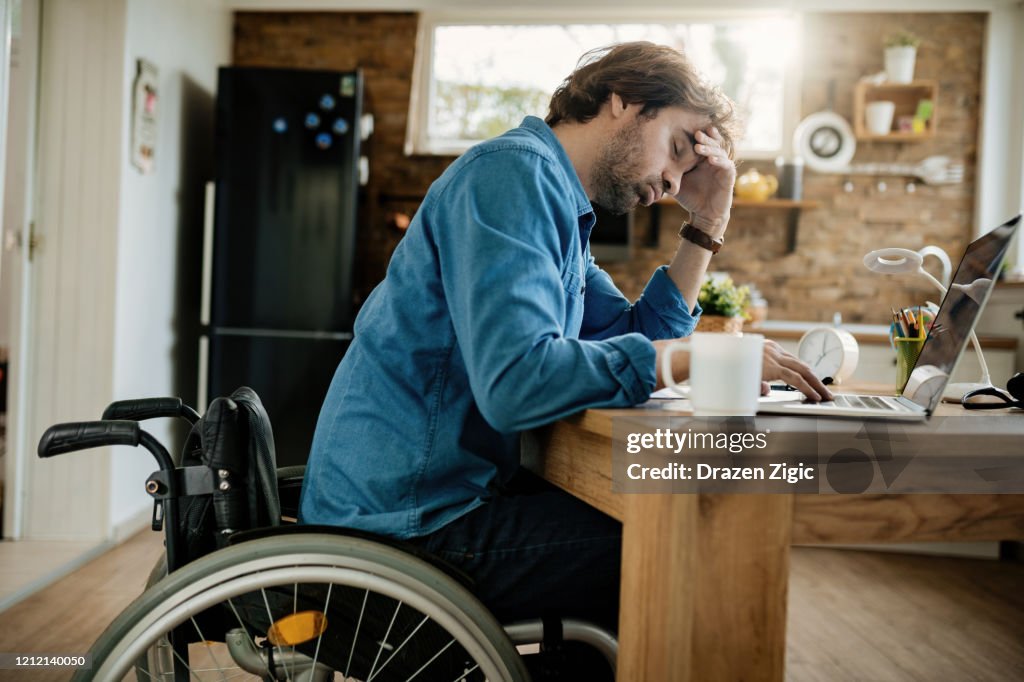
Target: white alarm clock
x,y
830,352
924,383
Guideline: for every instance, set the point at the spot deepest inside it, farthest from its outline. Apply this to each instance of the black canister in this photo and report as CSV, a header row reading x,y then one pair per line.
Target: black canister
x,y
791,178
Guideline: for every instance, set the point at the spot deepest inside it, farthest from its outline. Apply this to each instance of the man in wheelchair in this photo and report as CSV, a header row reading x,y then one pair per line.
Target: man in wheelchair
x,y
494,319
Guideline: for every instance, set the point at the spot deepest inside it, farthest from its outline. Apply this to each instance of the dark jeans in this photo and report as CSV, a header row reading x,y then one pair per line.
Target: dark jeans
x,y
535,550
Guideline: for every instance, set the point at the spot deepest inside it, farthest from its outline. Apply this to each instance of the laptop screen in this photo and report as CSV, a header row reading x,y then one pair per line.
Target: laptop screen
x,y
960,309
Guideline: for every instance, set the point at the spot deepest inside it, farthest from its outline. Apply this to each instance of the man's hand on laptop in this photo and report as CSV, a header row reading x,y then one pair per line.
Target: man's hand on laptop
x,y
780,365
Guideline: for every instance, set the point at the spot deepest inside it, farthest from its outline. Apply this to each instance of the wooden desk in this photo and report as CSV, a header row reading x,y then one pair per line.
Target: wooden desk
x,y
705,577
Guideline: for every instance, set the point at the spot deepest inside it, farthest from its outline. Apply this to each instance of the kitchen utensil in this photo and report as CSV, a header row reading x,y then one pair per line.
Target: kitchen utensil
x,y
934,170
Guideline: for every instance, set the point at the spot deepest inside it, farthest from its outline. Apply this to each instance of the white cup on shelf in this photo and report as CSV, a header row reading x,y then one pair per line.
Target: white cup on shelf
x,y
878,117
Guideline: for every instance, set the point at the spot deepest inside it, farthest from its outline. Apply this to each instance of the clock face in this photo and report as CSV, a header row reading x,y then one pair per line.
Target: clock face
x,y
823,351
826,141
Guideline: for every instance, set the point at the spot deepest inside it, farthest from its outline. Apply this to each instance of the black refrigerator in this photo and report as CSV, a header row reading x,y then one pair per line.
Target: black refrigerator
x,y
277,306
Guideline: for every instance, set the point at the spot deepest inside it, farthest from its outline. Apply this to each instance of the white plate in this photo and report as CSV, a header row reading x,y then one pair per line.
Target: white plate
x,y
825,141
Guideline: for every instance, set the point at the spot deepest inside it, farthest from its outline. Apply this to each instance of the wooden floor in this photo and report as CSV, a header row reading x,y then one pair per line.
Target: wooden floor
x,y
852,615
66,617
25,565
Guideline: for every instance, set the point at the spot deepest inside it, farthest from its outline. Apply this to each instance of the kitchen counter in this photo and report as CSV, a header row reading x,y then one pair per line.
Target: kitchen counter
x,y
876,362
792,330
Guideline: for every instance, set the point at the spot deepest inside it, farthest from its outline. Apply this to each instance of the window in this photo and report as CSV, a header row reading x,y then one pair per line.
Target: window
x,y
477,79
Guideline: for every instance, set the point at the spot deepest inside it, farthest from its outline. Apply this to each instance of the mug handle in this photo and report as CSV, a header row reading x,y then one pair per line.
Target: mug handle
x,y
666,364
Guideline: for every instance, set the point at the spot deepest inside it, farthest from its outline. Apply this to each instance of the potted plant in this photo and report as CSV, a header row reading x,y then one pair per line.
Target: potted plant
x,y
900,54
725,306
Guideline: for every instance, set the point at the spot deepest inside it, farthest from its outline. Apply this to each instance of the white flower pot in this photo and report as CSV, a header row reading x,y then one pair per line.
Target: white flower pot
x,y
899,63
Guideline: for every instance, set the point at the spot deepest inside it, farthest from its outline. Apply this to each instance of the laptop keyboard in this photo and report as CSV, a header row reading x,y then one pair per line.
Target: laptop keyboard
x,y
862,401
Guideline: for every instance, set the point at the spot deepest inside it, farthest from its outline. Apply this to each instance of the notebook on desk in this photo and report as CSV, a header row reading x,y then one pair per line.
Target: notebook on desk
x,y
961,307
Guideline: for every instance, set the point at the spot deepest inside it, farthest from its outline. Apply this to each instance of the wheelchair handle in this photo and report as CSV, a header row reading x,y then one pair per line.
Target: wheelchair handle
x,y
71,436
150,408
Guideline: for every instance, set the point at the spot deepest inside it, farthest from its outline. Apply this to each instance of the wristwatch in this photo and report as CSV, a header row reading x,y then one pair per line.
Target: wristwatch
x,y
700,238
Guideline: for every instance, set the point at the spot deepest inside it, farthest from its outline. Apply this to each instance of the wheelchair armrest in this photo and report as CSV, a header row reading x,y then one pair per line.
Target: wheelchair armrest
x,y
289,488
290,473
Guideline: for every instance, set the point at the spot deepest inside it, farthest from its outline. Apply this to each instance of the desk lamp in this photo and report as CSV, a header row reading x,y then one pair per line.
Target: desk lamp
x,y
893,261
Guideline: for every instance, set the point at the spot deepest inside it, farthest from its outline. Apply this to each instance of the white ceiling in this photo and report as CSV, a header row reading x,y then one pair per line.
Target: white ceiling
x,y
534,7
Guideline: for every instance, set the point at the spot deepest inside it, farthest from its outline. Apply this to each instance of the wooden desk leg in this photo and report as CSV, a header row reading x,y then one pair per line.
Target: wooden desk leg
x,y
704,584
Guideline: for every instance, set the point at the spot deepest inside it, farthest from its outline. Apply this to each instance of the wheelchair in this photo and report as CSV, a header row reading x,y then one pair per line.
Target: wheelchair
x,y
244,592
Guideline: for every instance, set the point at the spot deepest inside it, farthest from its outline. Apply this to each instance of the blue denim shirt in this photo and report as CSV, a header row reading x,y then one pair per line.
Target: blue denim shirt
x,y
492,319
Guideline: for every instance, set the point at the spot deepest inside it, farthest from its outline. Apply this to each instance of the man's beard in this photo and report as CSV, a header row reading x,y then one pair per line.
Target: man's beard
x,y
615,188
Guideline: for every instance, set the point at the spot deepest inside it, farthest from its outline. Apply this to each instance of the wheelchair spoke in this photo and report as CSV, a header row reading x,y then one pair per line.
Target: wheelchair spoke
x,y
463,675
270,620
432,659
191,672
355,637
240,622
399,648
209,648
319,638
138,670
383,641
295,608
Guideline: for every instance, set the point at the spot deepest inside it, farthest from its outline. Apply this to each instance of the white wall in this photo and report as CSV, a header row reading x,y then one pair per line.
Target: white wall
x,y
160,214
1001,137
68,329
12,154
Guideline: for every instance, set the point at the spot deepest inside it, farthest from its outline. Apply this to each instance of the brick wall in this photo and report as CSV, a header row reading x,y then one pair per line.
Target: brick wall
x,y
823,276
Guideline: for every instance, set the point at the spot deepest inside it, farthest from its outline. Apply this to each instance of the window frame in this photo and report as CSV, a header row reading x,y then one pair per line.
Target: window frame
x,y
417,142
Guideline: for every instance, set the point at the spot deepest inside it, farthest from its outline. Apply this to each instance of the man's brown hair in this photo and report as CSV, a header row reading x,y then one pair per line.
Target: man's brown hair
x,y
655,76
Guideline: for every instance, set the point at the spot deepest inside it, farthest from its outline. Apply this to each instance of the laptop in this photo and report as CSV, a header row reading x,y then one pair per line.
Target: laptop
x,y
961,307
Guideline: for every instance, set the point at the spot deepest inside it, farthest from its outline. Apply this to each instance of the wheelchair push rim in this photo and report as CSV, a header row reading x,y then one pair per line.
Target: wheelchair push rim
x,y
280,562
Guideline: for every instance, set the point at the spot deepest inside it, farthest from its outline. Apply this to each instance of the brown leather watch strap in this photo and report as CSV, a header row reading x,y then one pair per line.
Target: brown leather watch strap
x,y
700,238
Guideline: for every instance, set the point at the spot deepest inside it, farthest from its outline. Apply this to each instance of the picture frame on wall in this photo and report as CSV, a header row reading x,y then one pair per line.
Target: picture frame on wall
x,y
144,117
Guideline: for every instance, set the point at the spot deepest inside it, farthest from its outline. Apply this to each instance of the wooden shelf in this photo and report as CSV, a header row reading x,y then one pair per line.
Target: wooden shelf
x,y
777,203
794,206
767,203
905,96
896,137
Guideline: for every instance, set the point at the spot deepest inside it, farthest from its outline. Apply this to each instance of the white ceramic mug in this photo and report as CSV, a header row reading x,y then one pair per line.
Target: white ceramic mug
x,y
725,372
878,117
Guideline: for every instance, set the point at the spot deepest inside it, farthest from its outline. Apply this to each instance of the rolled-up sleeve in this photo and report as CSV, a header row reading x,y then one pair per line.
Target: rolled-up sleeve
x,y
659,313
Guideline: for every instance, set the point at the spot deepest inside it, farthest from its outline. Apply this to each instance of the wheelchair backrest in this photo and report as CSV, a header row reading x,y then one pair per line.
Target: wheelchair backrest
x,y
235,441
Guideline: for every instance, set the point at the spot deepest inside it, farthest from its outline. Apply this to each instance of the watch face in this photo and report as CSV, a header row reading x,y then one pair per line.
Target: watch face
x,y
823,351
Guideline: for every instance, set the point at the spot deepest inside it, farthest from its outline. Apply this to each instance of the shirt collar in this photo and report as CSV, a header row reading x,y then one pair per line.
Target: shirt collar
x,y
542,130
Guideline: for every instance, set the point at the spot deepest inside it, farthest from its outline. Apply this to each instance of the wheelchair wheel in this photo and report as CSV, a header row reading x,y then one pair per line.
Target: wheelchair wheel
x,y
306,607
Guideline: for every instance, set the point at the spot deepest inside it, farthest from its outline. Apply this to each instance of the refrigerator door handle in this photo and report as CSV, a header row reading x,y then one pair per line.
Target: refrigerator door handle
x,y
207,280
203,385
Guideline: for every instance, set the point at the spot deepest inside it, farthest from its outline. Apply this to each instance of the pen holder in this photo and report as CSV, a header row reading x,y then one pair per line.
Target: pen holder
x,y
907,350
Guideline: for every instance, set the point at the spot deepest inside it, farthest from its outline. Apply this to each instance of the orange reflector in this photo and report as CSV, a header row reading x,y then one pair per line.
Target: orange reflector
x,y
297,628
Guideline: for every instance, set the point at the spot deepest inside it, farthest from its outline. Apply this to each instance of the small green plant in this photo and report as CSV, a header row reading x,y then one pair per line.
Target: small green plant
x,y
722,297
902,39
